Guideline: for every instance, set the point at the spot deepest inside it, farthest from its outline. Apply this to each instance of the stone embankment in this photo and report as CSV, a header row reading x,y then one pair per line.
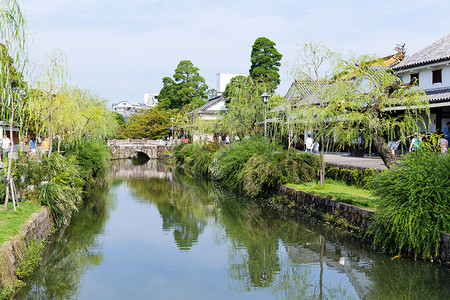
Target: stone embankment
x,y
12,252
356,217
312,204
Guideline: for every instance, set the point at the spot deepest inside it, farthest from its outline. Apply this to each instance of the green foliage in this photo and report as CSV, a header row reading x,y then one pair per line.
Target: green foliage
x,y
351,177
63,191
357,102
149,124
120,119
228,162
413,201
92,156
245,108
11,221
187,86
31,259
265,61
195,157
268,171
337,190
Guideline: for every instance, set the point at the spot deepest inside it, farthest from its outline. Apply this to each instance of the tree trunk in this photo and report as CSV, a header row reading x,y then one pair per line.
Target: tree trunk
x,y
383,150
11,137
322,163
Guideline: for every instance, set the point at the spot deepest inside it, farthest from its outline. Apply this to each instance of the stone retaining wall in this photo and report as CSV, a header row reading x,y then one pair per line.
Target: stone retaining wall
x,y
11,253
356,216
444,250
309,203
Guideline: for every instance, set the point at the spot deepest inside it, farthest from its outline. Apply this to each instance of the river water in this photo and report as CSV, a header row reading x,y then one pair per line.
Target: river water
x,y
157,234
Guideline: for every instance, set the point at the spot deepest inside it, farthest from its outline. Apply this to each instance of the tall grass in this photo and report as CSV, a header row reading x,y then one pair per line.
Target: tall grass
x,y
228,162
263,173
413,201
93,158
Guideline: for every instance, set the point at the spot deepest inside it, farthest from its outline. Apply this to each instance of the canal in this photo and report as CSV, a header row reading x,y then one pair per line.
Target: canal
x,y
158,234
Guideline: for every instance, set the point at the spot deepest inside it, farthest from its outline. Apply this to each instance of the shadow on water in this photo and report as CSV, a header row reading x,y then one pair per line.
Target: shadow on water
x,y
289,260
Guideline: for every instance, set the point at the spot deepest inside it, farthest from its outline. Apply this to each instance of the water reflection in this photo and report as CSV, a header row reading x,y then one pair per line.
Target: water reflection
x,y
265,256
72,251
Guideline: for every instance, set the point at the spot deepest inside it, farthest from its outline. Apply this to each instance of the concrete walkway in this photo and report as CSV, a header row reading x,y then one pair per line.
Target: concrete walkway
x,y
344,159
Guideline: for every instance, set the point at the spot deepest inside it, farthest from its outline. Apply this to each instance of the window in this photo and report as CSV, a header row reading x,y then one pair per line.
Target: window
x,y
437,76
415,77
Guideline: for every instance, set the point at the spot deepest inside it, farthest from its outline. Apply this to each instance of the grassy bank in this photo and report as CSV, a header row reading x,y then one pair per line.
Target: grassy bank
x,y
11,221
338,191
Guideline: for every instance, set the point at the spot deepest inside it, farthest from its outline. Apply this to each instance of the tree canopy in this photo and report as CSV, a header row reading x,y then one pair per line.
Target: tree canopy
x,y
358,104
245,105
186,87
265,61
148,124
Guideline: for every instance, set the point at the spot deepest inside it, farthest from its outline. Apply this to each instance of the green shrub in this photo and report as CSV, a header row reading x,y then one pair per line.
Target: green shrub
x,y
63,190
93,158
262,173
351,177
228,162
413,201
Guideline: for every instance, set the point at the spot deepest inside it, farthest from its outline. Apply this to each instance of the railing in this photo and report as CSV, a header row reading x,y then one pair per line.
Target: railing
x,y
142,142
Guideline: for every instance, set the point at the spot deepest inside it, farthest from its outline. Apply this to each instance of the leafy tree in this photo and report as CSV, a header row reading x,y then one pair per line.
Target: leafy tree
x,y
265,61
244,104
12,38
211,93
148,124
120,119
186,87
357,104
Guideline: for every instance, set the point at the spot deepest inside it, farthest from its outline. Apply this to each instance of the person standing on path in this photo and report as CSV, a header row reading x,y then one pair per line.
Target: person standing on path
x,y
309,143
447,132
6,142
415,143
227,139
444,144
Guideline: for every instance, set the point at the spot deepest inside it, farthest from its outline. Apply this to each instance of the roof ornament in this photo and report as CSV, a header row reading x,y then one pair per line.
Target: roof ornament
x,y
401,51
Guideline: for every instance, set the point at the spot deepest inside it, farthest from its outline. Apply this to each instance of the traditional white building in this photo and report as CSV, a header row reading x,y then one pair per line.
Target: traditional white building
x,y
127,108
431,67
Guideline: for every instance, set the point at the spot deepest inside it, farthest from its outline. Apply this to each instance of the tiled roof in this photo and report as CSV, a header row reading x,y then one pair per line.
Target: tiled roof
x,y
436,52
302,89
438,95
211,102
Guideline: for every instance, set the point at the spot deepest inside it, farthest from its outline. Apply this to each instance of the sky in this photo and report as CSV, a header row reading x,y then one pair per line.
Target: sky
x,y
121,50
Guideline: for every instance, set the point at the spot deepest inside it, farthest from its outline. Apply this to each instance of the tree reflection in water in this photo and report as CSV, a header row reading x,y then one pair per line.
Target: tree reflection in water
x,y
304,260
71,252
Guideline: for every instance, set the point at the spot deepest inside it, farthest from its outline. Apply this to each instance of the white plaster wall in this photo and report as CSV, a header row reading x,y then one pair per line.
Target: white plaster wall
x,y
426,76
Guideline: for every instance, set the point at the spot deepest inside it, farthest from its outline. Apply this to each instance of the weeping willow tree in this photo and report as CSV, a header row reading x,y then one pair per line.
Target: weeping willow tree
x,y
245,106
48,99
13,56
358,103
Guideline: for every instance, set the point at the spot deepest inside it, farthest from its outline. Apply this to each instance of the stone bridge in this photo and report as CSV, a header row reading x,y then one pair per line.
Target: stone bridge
x,y
132,148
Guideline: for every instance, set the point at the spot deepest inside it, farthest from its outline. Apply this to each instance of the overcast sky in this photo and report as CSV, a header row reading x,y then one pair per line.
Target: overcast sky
x,y
122,49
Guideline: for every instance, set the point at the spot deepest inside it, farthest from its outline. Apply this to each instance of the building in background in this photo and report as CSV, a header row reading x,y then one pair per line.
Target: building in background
x,y
431,68
127,108
223,79
150,100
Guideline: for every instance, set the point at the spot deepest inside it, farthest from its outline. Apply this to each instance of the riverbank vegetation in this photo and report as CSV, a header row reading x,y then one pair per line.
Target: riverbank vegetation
x,y
56,138
413,204
11,221
253,166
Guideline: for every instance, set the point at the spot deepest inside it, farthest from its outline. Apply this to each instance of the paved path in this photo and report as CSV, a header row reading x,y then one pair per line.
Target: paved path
x,y
347,160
